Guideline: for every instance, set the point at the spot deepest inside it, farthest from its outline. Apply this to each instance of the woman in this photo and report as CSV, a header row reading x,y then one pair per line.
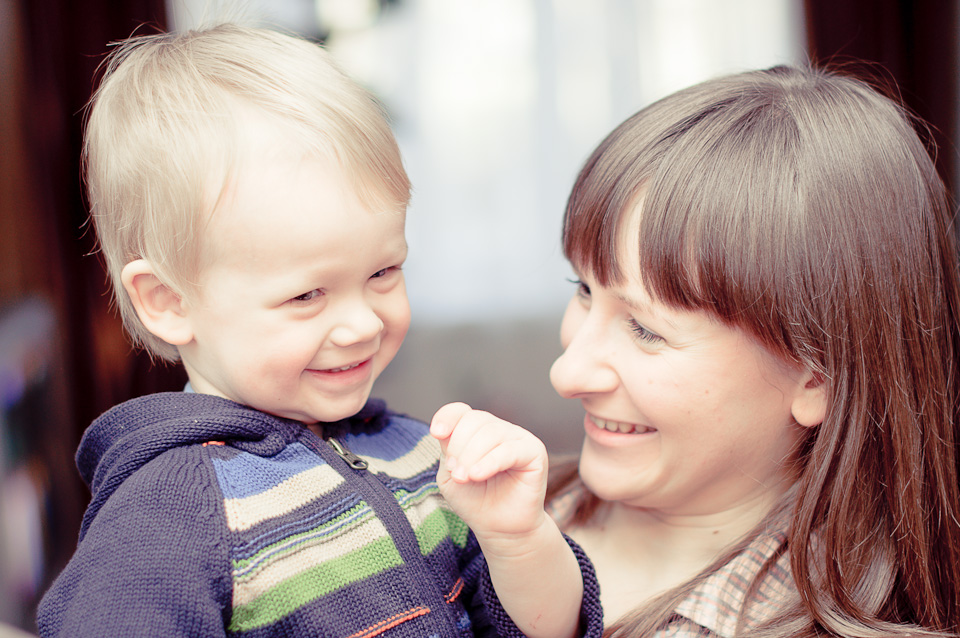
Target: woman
x,y
765,342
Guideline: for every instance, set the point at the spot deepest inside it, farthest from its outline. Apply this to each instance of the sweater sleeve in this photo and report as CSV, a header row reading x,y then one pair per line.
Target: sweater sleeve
x,y
488,616
152,563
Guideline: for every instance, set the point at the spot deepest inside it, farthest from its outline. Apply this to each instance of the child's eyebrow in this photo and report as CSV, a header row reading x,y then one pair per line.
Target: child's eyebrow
x,y
397,252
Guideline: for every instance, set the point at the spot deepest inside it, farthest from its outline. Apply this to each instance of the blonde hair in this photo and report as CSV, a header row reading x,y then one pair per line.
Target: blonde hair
x,y
164,135
801,206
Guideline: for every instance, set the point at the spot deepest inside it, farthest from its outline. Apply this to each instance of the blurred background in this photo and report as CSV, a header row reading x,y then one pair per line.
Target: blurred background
x,y
495,104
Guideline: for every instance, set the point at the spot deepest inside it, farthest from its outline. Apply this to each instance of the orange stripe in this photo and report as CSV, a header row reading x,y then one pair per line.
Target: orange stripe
x,y
390,623
455,592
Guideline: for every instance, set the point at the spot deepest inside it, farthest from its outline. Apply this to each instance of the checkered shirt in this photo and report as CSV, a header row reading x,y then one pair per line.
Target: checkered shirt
x,y
713,607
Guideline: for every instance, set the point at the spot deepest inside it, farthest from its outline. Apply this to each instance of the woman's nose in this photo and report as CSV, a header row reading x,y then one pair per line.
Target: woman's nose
x,y
357,323
585,366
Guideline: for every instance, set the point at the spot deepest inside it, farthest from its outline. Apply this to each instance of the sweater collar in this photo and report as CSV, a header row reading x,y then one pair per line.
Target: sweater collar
x,y
131,434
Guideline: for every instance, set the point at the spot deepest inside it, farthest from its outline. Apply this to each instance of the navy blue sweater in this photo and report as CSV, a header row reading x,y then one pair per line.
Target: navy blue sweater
x,y
209,518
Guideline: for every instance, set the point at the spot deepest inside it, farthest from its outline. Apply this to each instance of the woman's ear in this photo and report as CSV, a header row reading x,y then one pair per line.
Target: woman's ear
x,y
160,309
809,406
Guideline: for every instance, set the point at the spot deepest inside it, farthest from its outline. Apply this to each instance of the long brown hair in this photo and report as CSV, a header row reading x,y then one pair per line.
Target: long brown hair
x,y
801,206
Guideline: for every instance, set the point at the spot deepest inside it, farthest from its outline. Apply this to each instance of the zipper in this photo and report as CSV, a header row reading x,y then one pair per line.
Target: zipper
x,y
352,459
384,505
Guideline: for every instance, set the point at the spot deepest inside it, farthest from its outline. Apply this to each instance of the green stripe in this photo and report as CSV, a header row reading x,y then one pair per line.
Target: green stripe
x,y
439,525
314,583
297,541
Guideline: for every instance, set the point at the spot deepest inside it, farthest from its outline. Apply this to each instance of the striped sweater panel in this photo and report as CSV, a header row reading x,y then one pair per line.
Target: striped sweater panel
x,y
303,537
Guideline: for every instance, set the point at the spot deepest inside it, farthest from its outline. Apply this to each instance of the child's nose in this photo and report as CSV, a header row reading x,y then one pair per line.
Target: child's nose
x,y
357,323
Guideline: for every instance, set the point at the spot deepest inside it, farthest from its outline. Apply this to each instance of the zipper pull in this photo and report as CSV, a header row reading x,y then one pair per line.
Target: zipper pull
x,y
352,459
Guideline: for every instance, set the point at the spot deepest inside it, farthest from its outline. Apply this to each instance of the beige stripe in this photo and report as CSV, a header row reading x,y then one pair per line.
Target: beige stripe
x,y
417,460
418,512
244,513
290,565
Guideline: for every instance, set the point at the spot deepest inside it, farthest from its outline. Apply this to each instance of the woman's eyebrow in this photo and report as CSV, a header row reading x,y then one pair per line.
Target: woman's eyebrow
x,y
630,301
642,306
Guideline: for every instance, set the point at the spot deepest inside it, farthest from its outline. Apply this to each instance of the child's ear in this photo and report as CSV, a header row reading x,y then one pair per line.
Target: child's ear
x,y
809,406
160,309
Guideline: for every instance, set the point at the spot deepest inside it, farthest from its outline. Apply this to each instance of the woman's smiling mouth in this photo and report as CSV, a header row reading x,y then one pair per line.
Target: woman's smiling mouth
x,y
619,426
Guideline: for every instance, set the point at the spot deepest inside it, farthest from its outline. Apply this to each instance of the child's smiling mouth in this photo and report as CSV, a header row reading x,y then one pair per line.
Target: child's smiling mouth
x,y
344,368
347,374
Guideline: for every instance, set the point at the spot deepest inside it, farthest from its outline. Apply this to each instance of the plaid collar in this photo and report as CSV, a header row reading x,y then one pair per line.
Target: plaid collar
x,y
715,603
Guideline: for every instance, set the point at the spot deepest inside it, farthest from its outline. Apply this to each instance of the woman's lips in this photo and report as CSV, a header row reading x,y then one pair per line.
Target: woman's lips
x,y
617,427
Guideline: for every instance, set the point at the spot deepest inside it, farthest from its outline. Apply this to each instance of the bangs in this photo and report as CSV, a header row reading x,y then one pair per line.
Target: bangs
x,y
715,189
721,222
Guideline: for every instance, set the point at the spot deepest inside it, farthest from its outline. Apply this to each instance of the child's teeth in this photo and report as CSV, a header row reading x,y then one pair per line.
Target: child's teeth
x,y
345,368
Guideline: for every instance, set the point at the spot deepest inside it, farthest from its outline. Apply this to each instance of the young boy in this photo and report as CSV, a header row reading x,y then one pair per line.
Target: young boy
x,y
250,200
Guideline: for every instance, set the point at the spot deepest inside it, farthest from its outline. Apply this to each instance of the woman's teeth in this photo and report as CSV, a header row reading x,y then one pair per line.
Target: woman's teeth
x,y
617,426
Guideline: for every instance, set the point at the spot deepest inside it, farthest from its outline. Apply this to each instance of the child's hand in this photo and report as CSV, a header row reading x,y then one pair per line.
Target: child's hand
x,y
493,473
494,476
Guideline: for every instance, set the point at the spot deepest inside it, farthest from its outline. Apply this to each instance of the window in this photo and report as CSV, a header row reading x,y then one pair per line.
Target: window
x,y
496,104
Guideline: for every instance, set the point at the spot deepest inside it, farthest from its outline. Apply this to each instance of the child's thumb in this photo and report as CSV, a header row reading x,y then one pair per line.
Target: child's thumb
x,y
445,420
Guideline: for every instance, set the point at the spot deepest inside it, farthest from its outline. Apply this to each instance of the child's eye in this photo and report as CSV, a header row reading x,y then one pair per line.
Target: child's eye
x,y
642,333
383,272
308,296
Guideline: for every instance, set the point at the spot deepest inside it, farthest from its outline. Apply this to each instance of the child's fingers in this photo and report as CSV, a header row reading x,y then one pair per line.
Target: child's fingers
x,y
483,446
475,433
514,454
477,445
445,420
473,439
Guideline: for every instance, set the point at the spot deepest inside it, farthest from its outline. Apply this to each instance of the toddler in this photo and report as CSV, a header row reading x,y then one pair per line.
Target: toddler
x,y
249,200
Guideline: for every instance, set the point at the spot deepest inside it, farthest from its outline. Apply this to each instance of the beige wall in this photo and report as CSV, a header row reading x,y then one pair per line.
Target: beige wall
x,y
502,368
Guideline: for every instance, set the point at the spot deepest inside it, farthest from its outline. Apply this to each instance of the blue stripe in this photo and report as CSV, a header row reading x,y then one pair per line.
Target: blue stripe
x,y
247,474
390,443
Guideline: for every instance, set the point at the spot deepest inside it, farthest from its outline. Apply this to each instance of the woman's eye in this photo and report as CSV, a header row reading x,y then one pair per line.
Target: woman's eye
x,y
307,296
583,290
642,333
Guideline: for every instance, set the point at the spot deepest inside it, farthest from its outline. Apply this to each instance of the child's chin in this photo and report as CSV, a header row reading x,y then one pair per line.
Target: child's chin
x,y
332,413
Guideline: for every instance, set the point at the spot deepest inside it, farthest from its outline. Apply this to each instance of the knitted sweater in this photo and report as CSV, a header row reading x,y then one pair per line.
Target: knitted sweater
x,y
209,518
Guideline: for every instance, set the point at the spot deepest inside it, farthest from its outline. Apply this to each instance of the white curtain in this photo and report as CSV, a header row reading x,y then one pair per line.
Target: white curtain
x,y
496,103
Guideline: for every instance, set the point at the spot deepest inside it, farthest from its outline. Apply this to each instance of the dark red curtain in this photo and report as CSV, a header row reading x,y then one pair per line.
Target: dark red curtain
x,y
65,42
911,42
60,45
